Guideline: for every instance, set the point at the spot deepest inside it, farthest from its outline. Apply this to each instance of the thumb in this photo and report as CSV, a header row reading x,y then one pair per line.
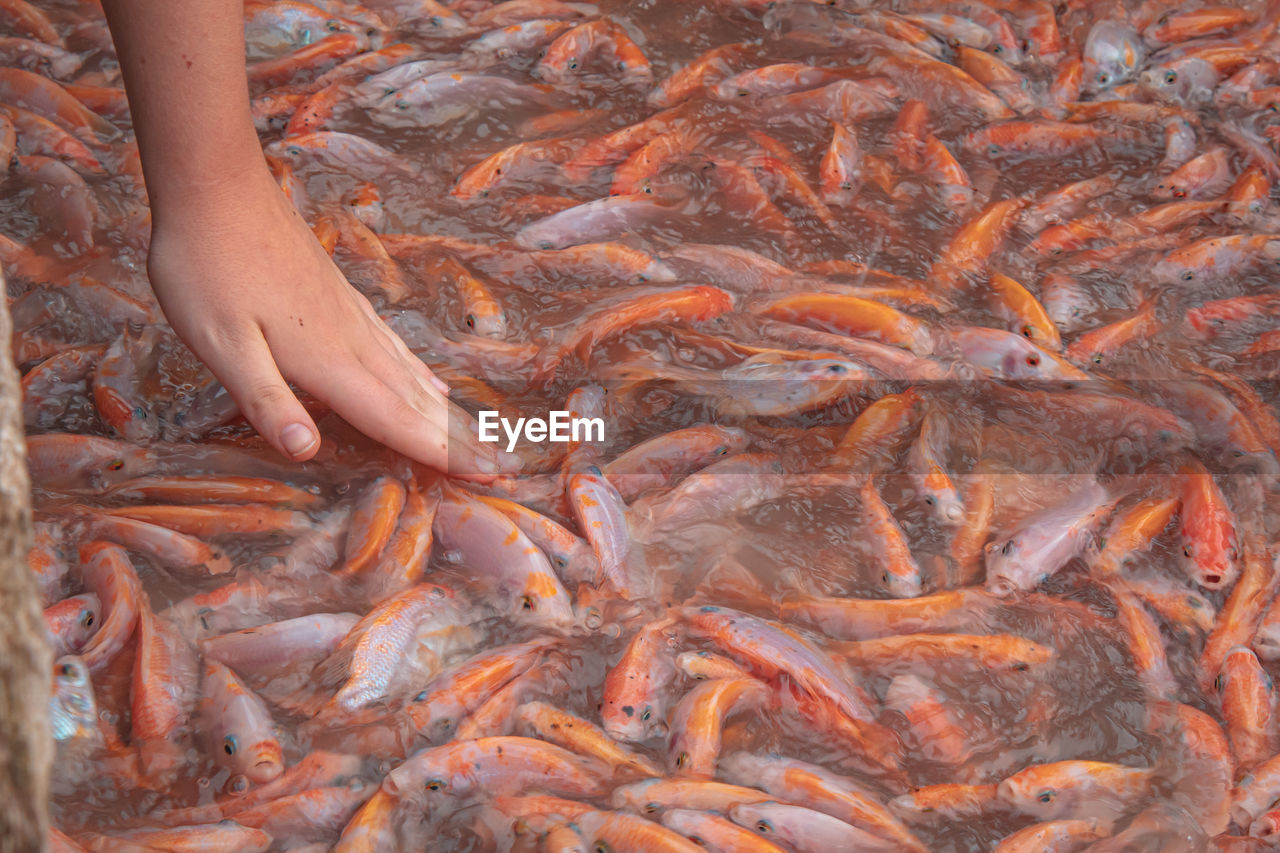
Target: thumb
x,y
255,383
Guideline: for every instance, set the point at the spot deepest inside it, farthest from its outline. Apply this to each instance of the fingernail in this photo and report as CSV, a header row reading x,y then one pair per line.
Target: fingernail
x,y
436,381
510,462
485,465
297,439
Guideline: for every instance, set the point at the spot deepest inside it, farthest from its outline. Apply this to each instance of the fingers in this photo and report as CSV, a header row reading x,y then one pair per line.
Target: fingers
x,y
254,382
386,398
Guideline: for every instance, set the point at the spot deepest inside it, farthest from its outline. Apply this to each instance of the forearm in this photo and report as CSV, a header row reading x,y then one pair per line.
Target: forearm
x,y
184,68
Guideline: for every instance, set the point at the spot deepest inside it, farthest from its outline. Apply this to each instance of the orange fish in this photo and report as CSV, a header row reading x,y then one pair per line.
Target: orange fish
x,y
1146,646
496,765
1248,707
1072,789
372,523
852,315
899,571
995,652
1131,530
633,704
697,722
238,725
110,576
165,684
1206,529
584,737
970,250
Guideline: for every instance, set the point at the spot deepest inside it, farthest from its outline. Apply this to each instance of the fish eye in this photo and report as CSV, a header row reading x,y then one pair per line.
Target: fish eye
x,y
1171,77
238,784
601,847
526,603
1033,360
721,450
230,744
87,620
332,26
1187,275
204,613
1008,547
929,499
115,464
884,577
573,65
293,150
1104,78
682,759
1179,193
561,561
1188,551
1045,797
764,826
1028,331
1021,666
1219,682
993,149
998,49
648,712
436,785
470,320
1097,358
650,808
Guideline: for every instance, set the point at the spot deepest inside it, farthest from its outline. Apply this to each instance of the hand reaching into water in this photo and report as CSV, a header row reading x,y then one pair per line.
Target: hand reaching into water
x,y
247,286
240,276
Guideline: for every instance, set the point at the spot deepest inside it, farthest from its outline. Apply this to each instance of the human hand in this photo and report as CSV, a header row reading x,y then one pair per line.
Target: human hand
x,y
246,285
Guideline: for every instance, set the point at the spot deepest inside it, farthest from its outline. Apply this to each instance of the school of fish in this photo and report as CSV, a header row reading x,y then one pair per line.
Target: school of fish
x,y
935,344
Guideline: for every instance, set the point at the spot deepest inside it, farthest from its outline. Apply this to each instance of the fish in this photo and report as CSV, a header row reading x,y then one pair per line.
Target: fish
x,y
899,573
520,572
1061,790
248,744
634,702
583,736
1112,54
73,710
815,787
1206,528
72,622
1053,835
799,828
696,723
714,832
1248,707
110,576
1046,541
499,764
403,639
771,649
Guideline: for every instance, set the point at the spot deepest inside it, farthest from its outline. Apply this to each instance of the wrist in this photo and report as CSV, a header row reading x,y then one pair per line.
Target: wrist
x,y
231,188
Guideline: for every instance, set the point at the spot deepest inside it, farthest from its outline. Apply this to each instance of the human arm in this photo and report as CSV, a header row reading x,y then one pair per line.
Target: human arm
x,y
238,273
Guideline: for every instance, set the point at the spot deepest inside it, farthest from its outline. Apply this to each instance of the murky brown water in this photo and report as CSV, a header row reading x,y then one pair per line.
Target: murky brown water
x,y
1016,428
